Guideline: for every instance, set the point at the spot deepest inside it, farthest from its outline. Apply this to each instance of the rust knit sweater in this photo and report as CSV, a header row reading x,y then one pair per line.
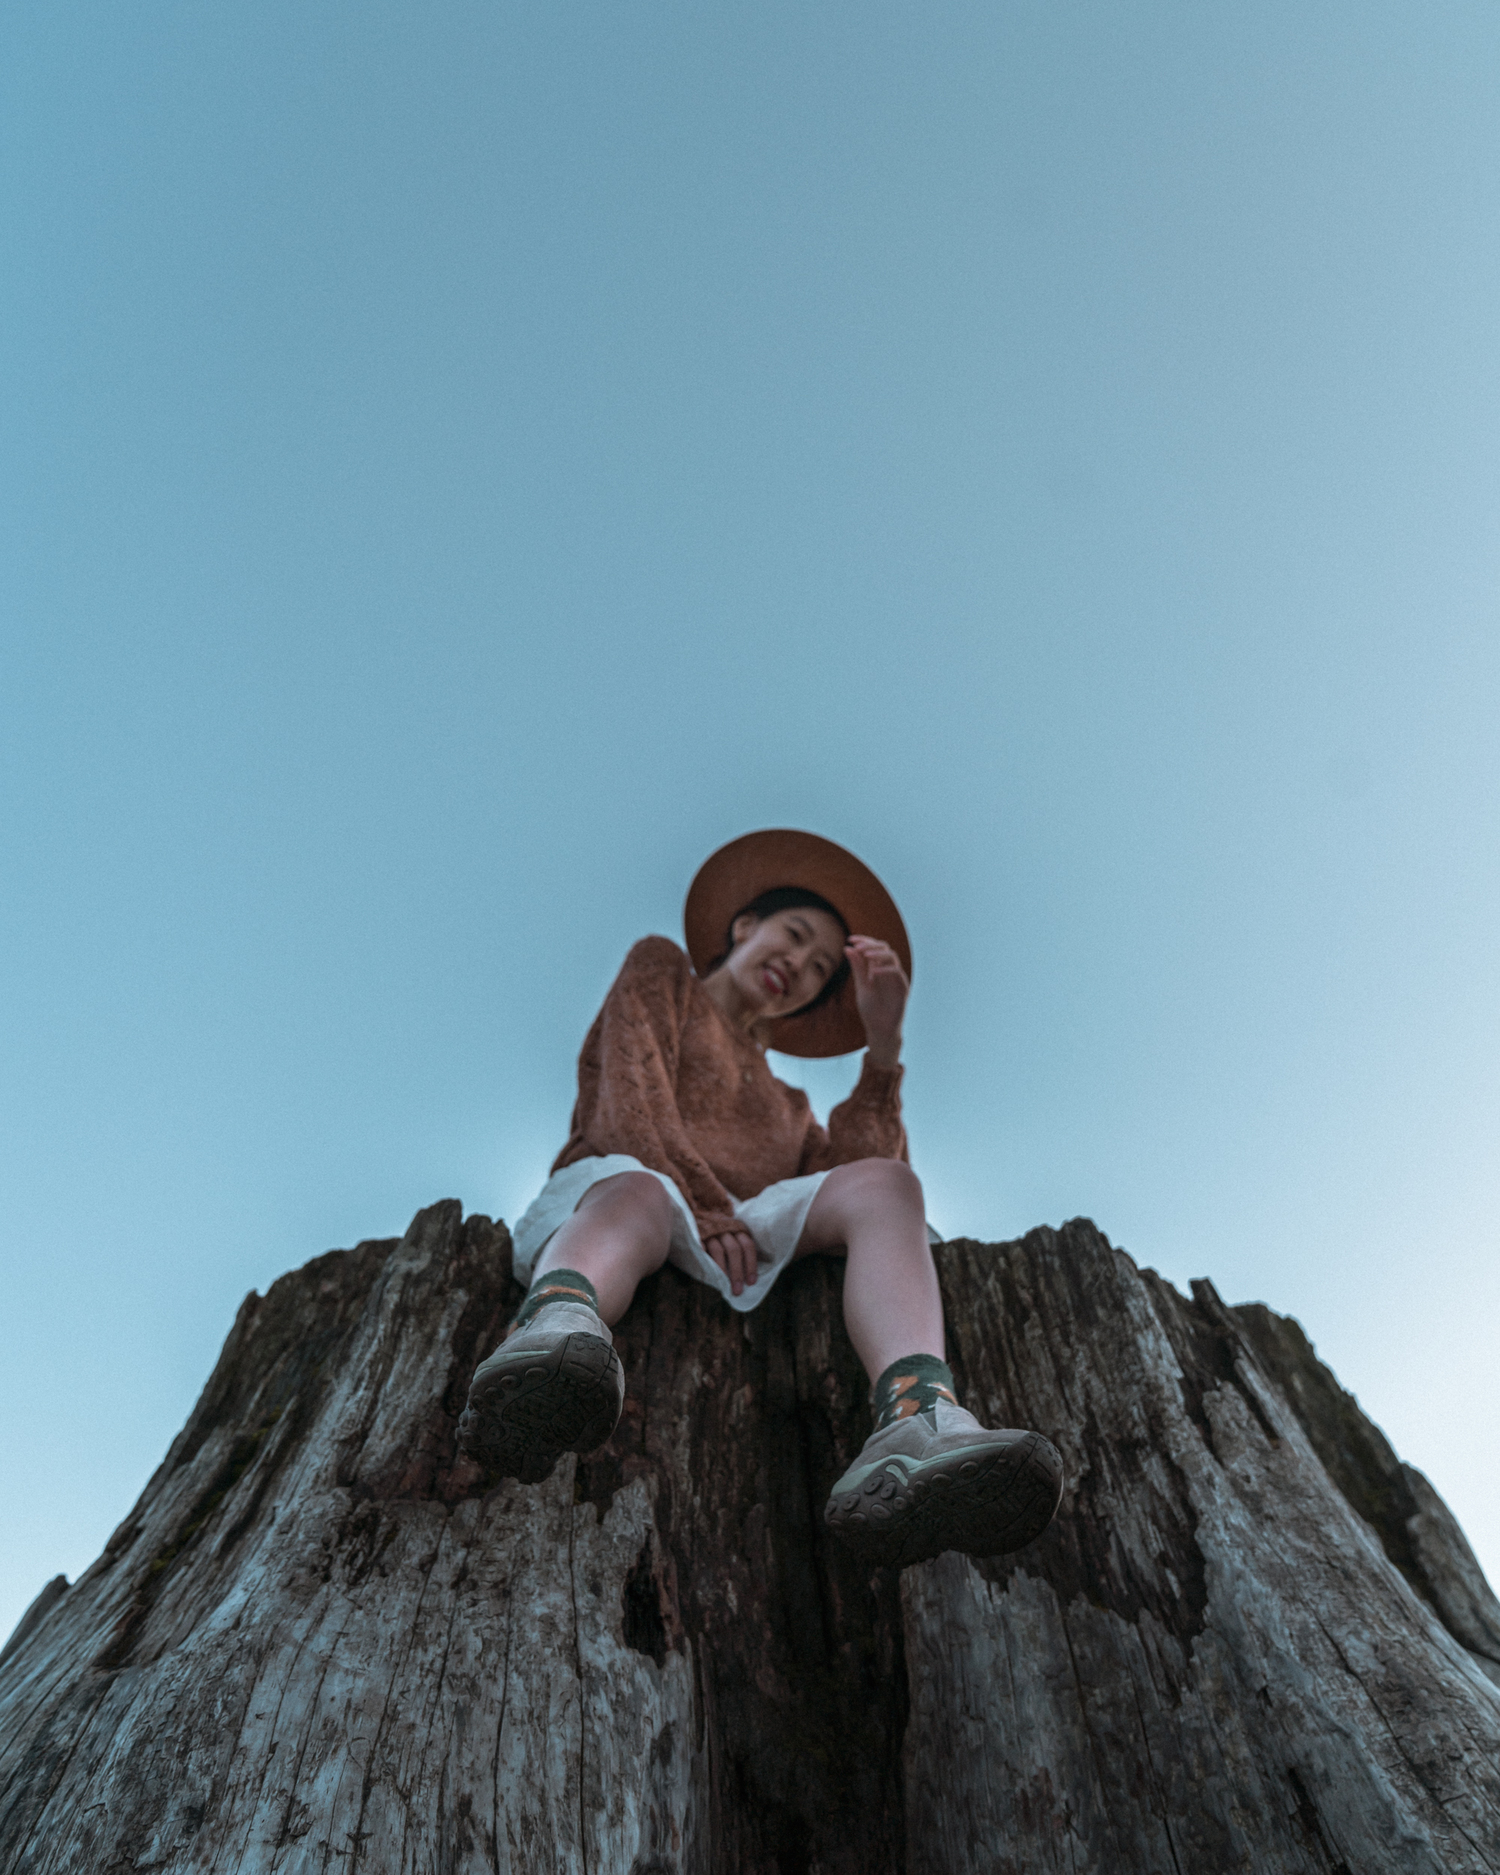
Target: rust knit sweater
x,y
664,1077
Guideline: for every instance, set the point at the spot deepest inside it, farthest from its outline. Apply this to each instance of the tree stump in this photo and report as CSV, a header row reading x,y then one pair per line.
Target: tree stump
x,y
1252,1640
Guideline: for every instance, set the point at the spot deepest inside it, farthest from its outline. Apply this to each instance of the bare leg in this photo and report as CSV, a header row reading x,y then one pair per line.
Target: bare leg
x,y
930,1477
619,1233
892,1306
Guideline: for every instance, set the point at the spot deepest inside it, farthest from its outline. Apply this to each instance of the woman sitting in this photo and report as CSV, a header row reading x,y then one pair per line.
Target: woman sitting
x,y
685,1147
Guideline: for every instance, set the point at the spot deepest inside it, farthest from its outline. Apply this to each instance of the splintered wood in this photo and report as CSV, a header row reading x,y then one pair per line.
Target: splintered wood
x,y
323,1641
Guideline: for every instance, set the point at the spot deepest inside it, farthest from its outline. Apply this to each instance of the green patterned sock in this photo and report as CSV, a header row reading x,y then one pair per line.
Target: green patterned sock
x,y
908,1385
555,1286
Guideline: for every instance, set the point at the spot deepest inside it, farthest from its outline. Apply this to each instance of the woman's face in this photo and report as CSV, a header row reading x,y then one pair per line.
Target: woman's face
x,y
779,963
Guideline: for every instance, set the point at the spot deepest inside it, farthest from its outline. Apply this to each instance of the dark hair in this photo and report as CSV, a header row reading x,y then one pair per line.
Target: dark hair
x,y
790,898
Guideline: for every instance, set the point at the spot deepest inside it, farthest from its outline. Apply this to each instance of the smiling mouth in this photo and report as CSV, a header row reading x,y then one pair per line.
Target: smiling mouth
x,y
774,981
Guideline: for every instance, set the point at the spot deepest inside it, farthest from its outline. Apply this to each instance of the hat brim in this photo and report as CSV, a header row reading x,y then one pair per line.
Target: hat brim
x,y
757,862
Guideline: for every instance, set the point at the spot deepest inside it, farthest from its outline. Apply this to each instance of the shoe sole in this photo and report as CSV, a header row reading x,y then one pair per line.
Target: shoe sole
x,y
521,1418
984,1502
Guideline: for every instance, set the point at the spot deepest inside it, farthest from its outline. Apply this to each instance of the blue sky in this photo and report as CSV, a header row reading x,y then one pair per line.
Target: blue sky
x,y
461,465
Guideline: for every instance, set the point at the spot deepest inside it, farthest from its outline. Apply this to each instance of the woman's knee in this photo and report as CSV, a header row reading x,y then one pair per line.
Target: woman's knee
x,y
881,1182
635,1200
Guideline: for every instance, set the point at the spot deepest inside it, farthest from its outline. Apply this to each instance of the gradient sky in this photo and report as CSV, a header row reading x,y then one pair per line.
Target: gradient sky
x,y
461,464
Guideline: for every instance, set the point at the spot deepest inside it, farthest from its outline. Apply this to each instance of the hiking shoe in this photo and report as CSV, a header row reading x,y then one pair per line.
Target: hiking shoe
x,y
557,1386
937,1480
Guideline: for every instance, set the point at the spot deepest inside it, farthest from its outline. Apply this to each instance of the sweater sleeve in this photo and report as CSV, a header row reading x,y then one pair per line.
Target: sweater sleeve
x,y
627,1082
865,1126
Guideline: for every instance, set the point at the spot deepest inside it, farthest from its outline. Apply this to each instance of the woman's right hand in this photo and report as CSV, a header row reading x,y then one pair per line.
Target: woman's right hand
x,y
735,1253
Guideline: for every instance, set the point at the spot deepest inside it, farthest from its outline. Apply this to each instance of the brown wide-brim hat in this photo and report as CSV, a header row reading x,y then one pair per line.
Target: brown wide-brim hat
x,y
758,862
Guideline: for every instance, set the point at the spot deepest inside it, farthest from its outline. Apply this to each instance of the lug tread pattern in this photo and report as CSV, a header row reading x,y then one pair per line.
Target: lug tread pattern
x,y
982,1500
523,1415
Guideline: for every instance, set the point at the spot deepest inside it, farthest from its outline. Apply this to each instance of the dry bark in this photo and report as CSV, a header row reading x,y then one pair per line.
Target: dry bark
x,y
1252,1640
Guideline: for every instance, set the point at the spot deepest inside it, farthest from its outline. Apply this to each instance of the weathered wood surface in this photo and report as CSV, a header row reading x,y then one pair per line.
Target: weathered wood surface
x,y
1252,1641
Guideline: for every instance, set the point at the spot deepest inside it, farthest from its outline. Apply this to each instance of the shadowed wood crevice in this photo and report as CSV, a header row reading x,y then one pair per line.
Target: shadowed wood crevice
x,y
1252,1641
1209,1349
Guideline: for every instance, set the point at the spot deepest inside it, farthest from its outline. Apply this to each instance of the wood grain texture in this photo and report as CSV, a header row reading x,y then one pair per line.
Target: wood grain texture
x,y
1209,1662
322,1641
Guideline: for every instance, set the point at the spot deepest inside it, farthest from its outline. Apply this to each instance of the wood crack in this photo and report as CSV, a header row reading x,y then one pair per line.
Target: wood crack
x,y
583,1721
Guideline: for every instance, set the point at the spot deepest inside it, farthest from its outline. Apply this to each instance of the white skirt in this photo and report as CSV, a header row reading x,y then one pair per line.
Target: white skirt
x,y
773,1217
